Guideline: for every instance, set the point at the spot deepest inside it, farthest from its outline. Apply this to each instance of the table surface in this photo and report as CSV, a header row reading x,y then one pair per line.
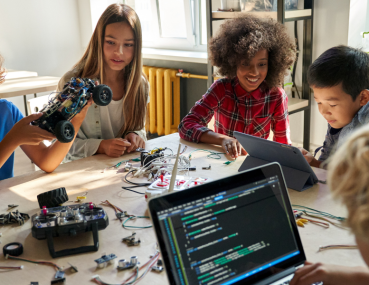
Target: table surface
x,y
15,74
29,85
86,175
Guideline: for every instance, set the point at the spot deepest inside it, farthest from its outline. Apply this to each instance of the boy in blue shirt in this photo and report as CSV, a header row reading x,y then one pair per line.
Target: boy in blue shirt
x,y
17,131
340,80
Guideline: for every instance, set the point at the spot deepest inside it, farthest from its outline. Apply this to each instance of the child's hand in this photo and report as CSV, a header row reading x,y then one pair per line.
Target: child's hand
x,y
309,157
23,133
78,119
233,147
135,140
113,147
330,274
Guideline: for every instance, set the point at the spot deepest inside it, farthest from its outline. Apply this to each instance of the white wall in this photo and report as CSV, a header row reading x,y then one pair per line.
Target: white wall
x,y
330,28
39,35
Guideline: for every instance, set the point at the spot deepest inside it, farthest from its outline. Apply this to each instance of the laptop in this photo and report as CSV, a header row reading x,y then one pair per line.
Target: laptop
x,y
296,170
236,230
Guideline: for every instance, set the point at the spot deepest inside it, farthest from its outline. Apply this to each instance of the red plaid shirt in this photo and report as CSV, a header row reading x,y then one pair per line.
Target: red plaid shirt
x,y
235,109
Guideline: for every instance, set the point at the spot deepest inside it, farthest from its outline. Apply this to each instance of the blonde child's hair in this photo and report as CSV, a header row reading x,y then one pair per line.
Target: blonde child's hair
x,y
2,71
92,65
348,179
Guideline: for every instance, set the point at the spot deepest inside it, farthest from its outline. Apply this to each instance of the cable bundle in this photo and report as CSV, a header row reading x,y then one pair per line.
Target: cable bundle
x,y
35,261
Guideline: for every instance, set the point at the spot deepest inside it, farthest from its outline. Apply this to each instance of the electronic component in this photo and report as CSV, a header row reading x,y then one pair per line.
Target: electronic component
x,y
131,240
73,268
13,248
69,221
59,277
161,186
157,268
148,156
13,218
206,167
11,206
104,260
125,264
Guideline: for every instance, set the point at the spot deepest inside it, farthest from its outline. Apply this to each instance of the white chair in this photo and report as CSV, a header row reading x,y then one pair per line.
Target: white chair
x,y
35,105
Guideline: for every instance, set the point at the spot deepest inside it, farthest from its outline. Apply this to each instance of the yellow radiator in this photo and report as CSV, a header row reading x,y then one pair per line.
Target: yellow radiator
x,y
164,106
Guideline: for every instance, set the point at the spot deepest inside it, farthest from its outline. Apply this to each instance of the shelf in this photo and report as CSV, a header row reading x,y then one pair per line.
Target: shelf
x,y
289,15
296,104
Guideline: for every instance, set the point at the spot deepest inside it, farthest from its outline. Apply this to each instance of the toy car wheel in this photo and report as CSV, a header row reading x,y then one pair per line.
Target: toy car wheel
x,y
53,198
64,131
102,95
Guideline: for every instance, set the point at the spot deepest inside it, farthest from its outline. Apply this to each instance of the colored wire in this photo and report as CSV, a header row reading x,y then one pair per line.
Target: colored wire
x,y
11,267
135,227
325,219
337,246
213,154
34,261
137,159
129,189
317,212
134,183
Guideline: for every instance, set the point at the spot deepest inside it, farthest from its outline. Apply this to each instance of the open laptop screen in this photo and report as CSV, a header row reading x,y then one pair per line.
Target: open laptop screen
x,y
229,234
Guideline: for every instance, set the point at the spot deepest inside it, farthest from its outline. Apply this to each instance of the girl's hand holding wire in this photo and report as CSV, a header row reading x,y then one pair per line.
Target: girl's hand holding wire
x,y
330,275
113,147
135,140
233,147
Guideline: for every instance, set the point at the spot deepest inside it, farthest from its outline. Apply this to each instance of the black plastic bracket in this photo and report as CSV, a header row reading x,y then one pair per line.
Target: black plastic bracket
x,y
77,250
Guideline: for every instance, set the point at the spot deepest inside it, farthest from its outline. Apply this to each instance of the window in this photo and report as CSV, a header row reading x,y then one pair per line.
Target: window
x,y
172,24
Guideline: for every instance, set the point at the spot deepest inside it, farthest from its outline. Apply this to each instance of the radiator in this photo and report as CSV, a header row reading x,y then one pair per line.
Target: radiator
x,y
164,107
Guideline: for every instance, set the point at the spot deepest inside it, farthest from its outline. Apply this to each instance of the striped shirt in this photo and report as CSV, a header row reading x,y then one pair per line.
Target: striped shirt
x,y
254,113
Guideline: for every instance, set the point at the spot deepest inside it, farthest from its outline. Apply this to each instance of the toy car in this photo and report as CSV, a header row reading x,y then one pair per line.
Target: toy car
x,y
68,103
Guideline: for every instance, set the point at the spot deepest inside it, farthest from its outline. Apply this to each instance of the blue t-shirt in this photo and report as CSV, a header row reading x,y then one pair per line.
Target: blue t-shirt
x,y
9,115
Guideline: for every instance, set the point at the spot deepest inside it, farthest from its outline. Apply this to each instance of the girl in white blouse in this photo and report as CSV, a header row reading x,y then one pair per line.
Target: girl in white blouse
x,y
113,57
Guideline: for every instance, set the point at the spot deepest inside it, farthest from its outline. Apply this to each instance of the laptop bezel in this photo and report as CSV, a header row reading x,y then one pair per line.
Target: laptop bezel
x,y
163,202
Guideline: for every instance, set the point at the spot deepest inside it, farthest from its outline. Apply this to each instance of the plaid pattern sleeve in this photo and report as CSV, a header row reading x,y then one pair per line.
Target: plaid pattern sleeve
x,y
280,121
194,124
235,109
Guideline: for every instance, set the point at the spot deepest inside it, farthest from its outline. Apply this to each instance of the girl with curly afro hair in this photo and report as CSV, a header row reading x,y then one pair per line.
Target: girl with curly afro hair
x,y
252,55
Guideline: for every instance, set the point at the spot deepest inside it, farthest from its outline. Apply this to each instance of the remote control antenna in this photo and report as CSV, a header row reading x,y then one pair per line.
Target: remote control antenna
x,y
174,172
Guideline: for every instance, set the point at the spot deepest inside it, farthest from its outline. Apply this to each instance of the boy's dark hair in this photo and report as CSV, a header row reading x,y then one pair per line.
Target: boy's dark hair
x,y
241,38
341,64
2,71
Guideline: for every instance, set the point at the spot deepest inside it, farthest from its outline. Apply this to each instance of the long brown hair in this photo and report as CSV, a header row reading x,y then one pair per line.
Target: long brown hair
x,y
92,65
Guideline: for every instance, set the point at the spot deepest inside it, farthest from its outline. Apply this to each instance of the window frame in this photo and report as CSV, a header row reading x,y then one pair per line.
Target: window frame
x,y
193,40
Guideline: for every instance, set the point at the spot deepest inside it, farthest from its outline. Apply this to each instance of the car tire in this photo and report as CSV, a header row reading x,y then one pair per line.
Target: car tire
x,y
102,95
64,131
53,198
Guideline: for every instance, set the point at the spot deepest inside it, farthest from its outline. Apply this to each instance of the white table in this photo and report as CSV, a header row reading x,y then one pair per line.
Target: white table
x,y
29,85
16,74
86,175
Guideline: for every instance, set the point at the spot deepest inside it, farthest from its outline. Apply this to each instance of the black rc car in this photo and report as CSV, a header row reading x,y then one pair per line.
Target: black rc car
x,y
68,103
